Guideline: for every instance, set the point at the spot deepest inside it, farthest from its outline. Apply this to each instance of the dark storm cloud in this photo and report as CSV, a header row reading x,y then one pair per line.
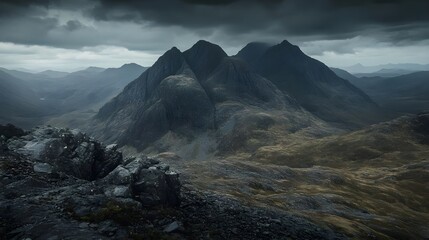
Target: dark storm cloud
x,y
323,18
394,21
73,25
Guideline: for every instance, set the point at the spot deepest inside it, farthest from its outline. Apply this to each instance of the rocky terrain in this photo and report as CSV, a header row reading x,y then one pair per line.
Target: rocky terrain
x,y
265,143
61,184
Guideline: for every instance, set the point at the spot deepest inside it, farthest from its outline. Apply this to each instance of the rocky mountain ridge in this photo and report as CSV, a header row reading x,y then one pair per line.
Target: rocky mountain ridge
x,y
200,91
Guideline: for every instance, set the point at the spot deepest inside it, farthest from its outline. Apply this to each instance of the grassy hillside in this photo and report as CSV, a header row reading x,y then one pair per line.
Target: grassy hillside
x,y
370,184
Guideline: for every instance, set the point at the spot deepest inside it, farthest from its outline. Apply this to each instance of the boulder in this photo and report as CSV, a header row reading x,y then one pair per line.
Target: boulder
x,y
61,184
42,168
173,227
151,187
148,181
119,176
9,131
70,152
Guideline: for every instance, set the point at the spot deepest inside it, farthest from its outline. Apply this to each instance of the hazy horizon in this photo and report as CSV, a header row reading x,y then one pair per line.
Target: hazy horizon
x,y
147,62
65,36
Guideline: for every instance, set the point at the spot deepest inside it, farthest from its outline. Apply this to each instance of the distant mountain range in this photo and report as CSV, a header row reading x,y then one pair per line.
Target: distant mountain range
x,y
385,73
18,101
231,100
410,67
407,93
51,94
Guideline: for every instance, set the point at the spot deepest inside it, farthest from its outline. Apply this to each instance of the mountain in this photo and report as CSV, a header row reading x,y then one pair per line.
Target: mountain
x,y
252,52
25,75
314,85
385,72
53,74
65,100
18,101
359,68
79,95
22,75
199,94
86,88
359,82
403,94
344,74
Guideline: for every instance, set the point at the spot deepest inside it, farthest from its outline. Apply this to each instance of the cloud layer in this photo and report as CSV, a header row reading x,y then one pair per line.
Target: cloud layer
x,y
320,27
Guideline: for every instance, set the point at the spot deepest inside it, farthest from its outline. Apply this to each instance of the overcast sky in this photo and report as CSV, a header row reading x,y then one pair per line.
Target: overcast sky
x,y
68,35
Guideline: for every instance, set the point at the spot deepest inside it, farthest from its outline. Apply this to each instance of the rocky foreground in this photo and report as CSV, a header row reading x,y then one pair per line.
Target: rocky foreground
x,y
62,184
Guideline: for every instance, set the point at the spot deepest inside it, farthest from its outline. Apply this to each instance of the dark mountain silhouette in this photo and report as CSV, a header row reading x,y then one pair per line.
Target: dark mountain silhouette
x,y
386,72
252,52
31,76
344,74
412,67
314,85
40,98
360,82
17,100
199,90
398,95
87,88
53,74
403,94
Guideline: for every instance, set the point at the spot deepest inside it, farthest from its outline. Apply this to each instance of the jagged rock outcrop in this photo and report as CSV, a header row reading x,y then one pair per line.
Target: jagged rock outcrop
x,y
67,151
78,177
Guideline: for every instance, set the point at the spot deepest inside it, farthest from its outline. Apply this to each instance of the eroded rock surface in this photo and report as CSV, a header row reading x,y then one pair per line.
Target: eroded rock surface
x,y
61,184
56,181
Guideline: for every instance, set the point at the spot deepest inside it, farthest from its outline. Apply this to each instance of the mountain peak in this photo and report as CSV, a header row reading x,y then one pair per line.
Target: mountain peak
x,y
286,43
130,65
252,52
203,57
287,49
205,47
204,43
174,54
94,69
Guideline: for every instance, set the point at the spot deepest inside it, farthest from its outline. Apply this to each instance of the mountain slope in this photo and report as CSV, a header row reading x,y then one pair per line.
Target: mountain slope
x,y
344,74
85,89
67,101
198,93
386,73
252,52
403,94
17,100
315,86
79,95
371,180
